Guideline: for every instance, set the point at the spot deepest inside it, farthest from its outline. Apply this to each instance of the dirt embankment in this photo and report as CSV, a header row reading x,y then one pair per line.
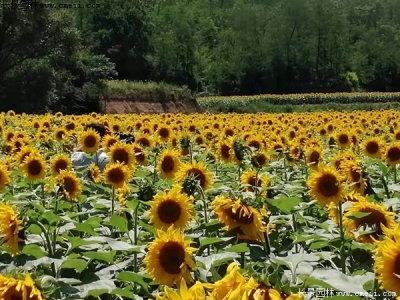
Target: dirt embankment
x,y
130,106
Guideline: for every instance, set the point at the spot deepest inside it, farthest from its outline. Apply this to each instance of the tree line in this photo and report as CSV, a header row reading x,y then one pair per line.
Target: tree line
x,y
58,59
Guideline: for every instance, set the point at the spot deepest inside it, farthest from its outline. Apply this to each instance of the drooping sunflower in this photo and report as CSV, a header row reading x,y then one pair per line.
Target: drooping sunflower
x,y
123,153
5,177
372,222
236,215
392,154
171,208
169,258
10,227
34,167
89,140
140,155
251,181
232,286
387,257
95,173
373,147
60,162
15,288
353,172
70,184
117,174
351,197
195,292
262,292
199,171
168,163
325,185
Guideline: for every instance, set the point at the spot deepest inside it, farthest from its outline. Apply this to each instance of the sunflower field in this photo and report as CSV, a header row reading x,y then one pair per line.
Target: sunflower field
x,y
202,206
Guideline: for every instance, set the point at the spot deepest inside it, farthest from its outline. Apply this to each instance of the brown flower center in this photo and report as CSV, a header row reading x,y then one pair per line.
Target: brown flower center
x,y
396,269
60,165
343,139
90,141
229,132
372,221
393,154
255,144
120,155
139,154
60,135
328,185
69,185
225,151
261,159
25,155
35,167
116,175
168,164
169,211
163,132
144,142
314,157
172,256
372,147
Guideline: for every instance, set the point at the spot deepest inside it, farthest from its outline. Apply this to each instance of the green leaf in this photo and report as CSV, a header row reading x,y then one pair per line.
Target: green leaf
x,y
148,227
133,277
103,256
49,218
319,244
34,250
119,222
211,241
123,293
239,248
358,215
77,264
284,204
77,242
85,227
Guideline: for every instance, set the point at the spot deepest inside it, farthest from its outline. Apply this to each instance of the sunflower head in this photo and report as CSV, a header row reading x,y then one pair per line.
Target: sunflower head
x,y
169,258
11,229
392,154
69,184
117,174
16,288
60,162
326,185
95,173
5,176
171,208
197,170
89,140
168,164
34,167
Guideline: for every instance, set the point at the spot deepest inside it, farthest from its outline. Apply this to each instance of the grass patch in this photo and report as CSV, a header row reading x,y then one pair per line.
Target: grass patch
x,y
146,91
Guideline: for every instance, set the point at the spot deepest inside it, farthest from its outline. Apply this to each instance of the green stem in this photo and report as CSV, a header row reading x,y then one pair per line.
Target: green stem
x,y
284,165
395,174
342,240
204,200
112,208
296,246
154,171
135,229
385,187
43,198
79,208
242,260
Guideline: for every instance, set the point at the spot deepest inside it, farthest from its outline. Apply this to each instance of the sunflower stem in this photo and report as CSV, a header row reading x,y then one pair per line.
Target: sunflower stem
x,y
78,207
385,187
204,200
296,246
135,228
242,260
154,171
395,174
112,208
341,250
377,290
284,165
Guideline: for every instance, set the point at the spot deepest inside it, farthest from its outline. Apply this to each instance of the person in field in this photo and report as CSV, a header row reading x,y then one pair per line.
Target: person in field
x,y
80,160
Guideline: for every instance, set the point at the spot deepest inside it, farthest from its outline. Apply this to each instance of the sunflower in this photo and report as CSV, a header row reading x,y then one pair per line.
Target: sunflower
x,y
199,171
34,167
251,181
109,141
225,151
337,160
313,156
343,140
236,215
117,174
260,158
95,173
168,164
5,176
262,292
171,208
24,153
10,227
232,286
123,153
59,134
70,184
60,162
351,197
12,288
386,266
140,154
169,258
89,140
373,147
377,215
326,186
354,177
195,292
392,154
